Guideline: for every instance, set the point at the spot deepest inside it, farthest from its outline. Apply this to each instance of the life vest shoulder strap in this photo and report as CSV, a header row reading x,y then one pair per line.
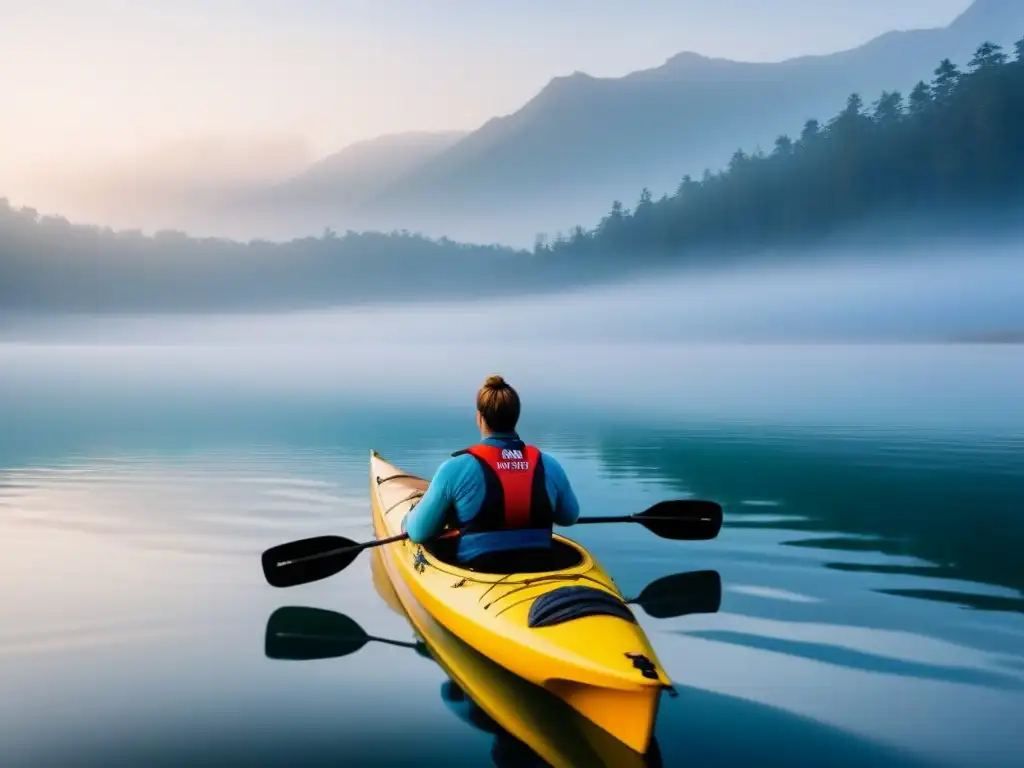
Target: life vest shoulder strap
x,y
489,452
498,453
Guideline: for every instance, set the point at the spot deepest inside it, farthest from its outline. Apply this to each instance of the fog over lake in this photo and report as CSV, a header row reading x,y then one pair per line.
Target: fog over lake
x,y
928,292
684,344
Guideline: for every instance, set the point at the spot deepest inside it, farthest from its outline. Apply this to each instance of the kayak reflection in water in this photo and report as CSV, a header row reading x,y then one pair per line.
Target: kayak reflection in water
x,y
506,750
506,495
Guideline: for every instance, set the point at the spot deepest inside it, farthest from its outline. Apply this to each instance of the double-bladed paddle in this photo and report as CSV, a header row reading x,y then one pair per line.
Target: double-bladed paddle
x,y
297,633
308,560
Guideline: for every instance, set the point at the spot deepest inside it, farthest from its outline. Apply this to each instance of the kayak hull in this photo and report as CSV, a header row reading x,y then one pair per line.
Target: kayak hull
x,y
602,666
530,714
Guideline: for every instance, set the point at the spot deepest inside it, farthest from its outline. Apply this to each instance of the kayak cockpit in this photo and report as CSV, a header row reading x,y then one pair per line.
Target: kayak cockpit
x,y
560,556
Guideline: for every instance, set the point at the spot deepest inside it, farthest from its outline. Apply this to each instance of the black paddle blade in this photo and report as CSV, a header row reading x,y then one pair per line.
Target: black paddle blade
x,y
683,519
682,593
304,634
281,572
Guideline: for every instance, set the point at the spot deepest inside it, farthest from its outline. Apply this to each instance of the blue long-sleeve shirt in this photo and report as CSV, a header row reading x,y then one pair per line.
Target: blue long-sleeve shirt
x,y
458,488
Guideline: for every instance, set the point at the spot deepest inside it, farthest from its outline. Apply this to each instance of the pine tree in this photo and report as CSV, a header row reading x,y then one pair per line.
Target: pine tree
x,y
920,99
988,56
947,77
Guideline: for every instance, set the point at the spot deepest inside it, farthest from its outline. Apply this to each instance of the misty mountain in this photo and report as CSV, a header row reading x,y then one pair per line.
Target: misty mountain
x,y
227,187
355,173
179,183
584,141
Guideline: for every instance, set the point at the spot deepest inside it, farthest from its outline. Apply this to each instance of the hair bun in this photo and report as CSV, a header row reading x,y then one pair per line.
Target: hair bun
x,y
495,382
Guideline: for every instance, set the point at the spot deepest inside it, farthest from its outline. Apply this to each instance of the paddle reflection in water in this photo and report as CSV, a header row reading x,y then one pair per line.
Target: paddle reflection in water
x,y
531,727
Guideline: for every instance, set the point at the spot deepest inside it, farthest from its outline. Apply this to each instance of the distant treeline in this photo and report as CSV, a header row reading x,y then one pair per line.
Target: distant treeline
x,y
49,264
951,145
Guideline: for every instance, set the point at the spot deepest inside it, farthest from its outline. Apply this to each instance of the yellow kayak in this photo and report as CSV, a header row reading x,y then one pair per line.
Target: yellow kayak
x,y
541,721
567,630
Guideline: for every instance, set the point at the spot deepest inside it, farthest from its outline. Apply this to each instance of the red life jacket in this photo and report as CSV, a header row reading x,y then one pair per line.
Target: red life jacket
x,y
516,494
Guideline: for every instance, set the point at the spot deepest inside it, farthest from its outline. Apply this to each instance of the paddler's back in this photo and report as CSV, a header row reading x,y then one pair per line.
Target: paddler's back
x,y
457,494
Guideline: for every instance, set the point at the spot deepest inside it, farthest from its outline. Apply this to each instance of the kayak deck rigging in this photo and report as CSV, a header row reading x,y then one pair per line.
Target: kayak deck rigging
x,y
505,579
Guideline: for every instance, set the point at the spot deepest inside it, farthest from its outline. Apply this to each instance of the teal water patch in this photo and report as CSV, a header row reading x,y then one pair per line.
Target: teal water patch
x,y
135,511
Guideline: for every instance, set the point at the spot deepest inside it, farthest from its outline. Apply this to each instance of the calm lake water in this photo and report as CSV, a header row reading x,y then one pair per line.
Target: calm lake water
x,y
872,608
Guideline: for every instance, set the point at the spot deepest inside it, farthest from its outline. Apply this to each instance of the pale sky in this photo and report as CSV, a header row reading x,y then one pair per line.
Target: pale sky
x,y
85,80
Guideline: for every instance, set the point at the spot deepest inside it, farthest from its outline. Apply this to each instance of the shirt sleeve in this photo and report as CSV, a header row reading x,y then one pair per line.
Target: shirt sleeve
x,y
566,508
428,517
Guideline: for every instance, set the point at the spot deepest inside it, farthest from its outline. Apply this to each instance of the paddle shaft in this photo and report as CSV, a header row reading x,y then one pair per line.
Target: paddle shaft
x,y
344,550
402,536
637,519
307,560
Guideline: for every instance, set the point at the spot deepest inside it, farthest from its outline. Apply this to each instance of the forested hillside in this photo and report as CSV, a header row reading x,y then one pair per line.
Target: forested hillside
x,y
951,145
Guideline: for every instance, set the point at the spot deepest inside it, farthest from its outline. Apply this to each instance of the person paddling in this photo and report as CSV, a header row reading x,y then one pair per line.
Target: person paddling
x,y
502,495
